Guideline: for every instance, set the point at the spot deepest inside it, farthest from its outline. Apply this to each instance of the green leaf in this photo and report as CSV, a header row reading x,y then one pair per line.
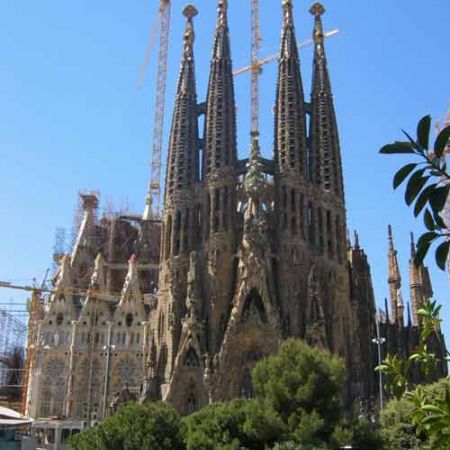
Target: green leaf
x,y
423,132
442,141
402,174
439,221
415,185
412,141
428,220
439,197
442,254
422,199
397,147
423,245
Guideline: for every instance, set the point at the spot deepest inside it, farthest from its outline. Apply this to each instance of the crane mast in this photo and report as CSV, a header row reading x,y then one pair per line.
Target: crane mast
x,y
255,68
153,201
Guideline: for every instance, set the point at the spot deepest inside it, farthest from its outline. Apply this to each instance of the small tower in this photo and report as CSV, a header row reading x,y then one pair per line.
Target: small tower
x,y
394,281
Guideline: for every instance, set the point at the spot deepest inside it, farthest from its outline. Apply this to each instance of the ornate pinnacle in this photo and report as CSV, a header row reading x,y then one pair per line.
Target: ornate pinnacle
x,y
413,246
190,11
317,9
222,6
287,10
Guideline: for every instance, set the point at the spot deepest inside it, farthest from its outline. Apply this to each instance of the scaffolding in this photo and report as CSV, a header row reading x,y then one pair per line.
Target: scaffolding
x,y
12,343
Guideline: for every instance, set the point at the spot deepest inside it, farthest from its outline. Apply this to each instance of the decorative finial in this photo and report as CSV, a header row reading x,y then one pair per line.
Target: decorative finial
x,y
356,239
413,245
190,11
222,6
317,9
390,238
287,5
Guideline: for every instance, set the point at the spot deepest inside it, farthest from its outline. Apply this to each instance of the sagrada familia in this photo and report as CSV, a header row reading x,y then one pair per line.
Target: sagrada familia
x,y
247,253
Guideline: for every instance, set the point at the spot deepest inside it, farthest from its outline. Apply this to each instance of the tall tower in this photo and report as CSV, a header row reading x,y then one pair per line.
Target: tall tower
x,y
291,183
180,206
325,155
395,282
219,181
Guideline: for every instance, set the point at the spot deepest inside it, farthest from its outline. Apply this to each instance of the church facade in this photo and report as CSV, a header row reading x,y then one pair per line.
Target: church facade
x,y
247,253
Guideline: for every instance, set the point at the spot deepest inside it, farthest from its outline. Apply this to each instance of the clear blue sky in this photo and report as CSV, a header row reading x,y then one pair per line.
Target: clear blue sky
x,y
71,118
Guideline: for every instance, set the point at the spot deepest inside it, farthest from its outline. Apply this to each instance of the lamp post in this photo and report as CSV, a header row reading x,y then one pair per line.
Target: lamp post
x,y
108,347
379,341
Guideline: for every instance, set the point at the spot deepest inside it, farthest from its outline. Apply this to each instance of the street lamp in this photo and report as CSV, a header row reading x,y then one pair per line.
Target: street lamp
x,y
379,341
108,347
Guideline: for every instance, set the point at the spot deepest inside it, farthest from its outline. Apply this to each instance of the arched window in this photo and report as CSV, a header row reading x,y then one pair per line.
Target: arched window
x,y
129,320
191,358
254,308
59,319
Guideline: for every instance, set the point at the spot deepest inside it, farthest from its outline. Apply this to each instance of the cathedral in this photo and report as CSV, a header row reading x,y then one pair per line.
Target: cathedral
x,y
247,252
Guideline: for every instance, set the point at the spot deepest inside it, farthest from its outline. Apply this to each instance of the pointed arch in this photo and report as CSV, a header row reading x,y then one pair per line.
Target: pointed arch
x,y
191,359
254,308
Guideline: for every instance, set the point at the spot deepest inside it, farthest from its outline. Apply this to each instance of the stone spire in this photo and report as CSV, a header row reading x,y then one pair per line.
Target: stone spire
x,y
415,284
290,117
394,280
326,166
182,165
220,122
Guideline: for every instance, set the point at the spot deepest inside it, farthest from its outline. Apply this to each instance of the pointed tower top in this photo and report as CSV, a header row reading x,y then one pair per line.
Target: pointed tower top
x,y
356,240
317,10
413,245
190,11
189,36
287,8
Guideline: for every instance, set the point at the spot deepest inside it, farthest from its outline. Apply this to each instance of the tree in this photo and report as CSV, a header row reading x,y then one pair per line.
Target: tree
x,y
428,186
134,427
403,429
303,386
219,426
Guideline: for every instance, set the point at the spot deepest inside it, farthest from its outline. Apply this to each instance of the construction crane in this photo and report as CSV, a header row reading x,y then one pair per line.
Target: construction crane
x,y
153,200
268,59
255,68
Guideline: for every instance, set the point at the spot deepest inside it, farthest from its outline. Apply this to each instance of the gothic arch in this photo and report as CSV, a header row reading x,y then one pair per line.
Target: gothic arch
x,y
254,308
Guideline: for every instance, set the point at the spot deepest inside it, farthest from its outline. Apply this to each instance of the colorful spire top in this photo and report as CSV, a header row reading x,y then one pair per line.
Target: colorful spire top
x,y
189,36
287,9
317,10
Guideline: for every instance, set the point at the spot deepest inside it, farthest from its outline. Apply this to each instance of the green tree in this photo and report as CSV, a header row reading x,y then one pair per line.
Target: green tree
x,y
403,429
134,427
428,186
303,386
218,426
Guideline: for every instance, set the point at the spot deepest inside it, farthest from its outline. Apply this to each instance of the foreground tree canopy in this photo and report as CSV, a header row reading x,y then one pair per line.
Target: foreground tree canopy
x,y
297,405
